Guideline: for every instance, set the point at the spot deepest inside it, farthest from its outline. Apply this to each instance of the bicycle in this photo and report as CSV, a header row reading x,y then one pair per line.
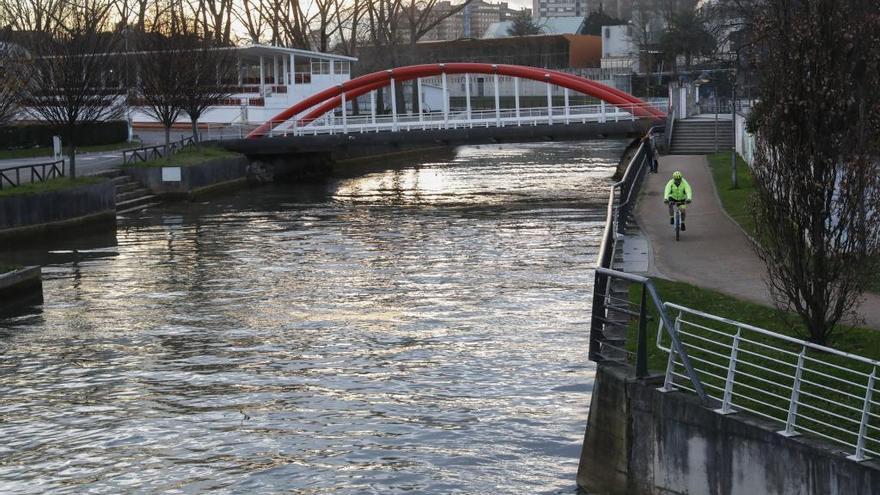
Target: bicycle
x,y
676,215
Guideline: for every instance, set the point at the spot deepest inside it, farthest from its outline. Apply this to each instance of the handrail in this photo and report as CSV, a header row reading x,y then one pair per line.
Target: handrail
x,y
775,335
618,213
343,123
146,153
671,330
826,392
41,175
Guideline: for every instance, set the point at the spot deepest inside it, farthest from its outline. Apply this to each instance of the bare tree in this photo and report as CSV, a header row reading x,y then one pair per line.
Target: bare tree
x,y
208,79
817,207
31,15
67,74
161,68
12,59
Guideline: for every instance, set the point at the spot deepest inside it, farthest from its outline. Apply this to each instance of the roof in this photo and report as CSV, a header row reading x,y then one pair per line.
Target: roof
x,y
257,50
548,25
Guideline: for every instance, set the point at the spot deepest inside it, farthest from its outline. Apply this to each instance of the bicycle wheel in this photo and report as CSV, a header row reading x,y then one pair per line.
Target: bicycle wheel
x,y
677,224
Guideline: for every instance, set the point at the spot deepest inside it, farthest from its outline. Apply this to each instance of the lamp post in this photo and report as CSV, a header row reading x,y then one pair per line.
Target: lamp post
x,y
733,178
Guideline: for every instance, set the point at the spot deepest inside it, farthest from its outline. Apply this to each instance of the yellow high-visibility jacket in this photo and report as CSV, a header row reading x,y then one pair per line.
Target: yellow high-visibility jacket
x,y
680,192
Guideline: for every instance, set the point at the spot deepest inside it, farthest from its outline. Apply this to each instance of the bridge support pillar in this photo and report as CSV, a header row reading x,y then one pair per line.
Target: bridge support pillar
x,y
393,105
419,95
567,111
373,107
549,101
497,103
516,98
445,102
467,95
344,115
602,117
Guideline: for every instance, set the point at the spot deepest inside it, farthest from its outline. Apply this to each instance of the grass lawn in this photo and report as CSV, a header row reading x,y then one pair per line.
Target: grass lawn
x,y
188,157
50,185
735,201
765,373
47,151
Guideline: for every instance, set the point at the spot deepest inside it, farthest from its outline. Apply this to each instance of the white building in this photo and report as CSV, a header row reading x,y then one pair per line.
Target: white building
x,y
270,79
619,50
559,8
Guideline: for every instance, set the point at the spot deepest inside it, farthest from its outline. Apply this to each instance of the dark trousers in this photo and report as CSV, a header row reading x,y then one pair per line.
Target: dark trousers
x,y
671,213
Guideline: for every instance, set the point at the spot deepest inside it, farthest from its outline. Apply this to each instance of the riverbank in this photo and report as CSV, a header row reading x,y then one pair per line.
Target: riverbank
x,y
56,207
20,286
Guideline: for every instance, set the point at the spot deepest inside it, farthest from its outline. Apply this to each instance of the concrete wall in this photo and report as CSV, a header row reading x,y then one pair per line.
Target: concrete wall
x,y
745,141
642,441
24,286
20,213
194,179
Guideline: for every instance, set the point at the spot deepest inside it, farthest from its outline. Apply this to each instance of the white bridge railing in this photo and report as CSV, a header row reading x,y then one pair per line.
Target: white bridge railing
x,y
342,123
805,387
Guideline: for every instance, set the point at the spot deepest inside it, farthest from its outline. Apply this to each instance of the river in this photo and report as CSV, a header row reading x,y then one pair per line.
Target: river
x,y
420,328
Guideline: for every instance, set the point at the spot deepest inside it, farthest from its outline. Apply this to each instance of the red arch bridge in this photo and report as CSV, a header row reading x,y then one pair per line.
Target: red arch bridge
x,y
330,111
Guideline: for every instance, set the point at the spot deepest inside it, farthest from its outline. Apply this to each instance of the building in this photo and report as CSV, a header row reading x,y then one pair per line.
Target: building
x,y
543,9
549,51
470,22
548,25
269,80
619,50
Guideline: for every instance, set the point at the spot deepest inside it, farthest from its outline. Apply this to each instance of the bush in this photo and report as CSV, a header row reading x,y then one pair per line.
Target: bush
x,y
40,134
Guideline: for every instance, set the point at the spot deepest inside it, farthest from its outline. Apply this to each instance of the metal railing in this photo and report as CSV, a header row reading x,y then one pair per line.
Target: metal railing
x,y
807,388
38,172
147,153
343,123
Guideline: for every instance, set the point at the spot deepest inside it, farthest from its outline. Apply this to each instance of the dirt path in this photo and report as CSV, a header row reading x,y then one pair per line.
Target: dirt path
x,y
713,253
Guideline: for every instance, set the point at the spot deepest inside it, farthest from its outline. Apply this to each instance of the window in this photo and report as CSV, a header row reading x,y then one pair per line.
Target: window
x,y
320,67
341,67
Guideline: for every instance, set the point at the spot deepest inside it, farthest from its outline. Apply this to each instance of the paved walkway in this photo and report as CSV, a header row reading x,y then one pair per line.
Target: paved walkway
x,y
713,253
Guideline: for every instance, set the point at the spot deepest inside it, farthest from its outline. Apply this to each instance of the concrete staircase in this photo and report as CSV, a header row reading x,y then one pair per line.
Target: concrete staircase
x,y
131,197
700,136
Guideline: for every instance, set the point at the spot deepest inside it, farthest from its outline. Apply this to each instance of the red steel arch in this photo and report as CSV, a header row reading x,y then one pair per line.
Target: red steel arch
x,y
330,98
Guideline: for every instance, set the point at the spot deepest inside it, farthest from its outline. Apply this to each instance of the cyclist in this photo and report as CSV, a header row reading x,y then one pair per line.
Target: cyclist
x,y
677,191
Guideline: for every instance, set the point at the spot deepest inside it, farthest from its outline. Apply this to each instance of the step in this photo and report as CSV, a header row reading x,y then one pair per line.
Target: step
x,y
127,186
137,193
131,203
112,173
137,208
121,179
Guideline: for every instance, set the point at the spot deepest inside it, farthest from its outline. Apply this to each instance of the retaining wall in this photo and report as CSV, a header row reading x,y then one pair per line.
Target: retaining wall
x,y
27,215
24,286
194,179
642,441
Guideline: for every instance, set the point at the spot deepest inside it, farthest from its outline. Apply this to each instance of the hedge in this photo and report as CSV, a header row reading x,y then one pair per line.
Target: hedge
x,y
40,134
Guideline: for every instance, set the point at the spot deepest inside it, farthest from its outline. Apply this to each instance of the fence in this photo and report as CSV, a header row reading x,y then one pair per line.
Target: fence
x,y
147,153
807,388
39,172
604,330
344,123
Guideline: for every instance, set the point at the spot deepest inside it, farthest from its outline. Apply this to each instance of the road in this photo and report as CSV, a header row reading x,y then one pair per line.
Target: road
x,y
714,253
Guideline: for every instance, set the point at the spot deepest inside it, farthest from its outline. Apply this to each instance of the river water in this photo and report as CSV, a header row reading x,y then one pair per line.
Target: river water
x,y
421,328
